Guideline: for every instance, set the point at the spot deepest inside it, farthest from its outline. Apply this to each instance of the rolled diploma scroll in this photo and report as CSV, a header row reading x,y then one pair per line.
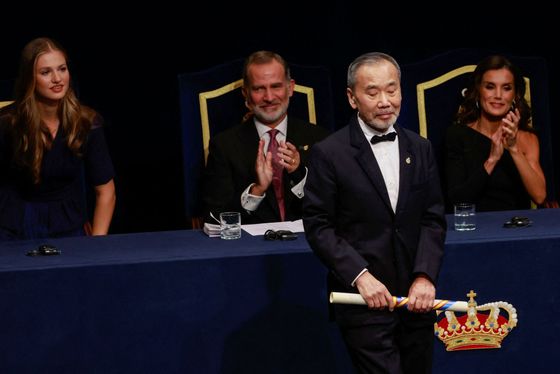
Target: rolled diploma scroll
x,y
357,299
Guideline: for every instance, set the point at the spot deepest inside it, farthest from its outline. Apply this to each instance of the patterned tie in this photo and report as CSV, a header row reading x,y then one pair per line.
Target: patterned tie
x,y
277,172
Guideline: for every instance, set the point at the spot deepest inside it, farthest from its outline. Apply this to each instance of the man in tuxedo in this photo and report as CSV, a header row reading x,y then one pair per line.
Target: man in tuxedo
x,y
253,170
373,213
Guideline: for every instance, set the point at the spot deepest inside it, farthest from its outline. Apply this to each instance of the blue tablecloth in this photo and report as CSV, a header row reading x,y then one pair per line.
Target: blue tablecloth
x,y
516,265
180,302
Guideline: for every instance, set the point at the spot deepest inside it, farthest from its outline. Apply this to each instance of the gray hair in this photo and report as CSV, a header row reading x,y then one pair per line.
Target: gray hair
x,y
263,57
370,58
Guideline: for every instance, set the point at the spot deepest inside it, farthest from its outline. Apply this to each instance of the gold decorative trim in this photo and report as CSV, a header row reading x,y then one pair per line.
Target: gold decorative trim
x,y
421,87
5,103
308,91
203,98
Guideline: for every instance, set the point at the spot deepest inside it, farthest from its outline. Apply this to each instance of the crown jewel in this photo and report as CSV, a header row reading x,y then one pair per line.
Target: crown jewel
x,y
481,327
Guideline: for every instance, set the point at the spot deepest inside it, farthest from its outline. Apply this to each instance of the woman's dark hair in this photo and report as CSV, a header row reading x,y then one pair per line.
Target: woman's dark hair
x,y
470,111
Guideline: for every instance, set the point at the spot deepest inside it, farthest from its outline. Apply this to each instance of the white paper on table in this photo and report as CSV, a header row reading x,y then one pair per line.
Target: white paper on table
x,y
260,228
211,229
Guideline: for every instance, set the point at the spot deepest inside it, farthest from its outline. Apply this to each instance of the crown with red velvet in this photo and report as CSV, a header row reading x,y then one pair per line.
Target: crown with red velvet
x,y
480,327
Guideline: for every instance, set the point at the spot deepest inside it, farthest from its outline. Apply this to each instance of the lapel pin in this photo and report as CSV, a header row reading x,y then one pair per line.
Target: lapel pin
x,y
407,160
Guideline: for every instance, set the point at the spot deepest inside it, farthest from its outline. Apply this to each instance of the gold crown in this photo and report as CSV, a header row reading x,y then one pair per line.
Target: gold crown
x,y
480,327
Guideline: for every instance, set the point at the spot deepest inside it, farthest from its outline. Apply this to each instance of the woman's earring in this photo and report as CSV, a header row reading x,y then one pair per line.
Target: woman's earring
x,y
476,102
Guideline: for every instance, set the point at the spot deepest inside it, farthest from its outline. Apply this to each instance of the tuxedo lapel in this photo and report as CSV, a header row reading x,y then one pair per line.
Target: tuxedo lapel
x,y
293,135
298,136
406,164
248,144
368,162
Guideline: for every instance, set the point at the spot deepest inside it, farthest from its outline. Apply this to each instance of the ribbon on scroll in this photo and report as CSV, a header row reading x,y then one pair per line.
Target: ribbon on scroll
x,y
356,299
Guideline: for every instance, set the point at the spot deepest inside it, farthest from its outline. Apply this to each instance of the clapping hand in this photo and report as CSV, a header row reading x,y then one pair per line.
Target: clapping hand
x,y
263,170
510,126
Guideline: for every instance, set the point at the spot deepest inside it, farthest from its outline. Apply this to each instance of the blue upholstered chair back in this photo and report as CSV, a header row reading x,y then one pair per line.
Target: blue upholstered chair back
x,y
432,94
211,101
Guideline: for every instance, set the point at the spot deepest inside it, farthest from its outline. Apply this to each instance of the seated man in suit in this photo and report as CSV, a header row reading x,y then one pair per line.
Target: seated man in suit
x,y
258,167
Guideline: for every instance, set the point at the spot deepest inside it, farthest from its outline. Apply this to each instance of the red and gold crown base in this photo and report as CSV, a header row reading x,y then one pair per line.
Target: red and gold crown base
x,y
459,338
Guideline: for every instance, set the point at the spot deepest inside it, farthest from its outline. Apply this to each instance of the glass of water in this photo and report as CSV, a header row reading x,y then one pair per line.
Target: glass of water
x,y
230,225
465,217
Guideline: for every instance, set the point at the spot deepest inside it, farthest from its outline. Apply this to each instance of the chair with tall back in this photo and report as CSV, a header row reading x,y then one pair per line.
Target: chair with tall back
x,y
432,92
6,95
211,101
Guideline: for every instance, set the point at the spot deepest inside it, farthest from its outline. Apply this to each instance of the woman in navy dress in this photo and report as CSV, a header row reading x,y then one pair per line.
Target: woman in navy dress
x,y
47,140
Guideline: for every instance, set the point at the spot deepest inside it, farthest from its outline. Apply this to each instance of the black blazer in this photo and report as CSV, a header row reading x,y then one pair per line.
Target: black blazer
x,y
230,169
348,218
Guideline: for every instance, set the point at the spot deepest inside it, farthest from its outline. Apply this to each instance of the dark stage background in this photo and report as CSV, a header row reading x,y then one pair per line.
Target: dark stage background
x,y
126,66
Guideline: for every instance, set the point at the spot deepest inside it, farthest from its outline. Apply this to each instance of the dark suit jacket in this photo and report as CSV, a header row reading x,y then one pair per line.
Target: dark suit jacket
x,y
230,169
348,218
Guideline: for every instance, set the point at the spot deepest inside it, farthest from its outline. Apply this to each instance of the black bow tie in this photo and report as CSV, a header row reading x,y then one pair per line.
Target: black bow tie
x,y
383,138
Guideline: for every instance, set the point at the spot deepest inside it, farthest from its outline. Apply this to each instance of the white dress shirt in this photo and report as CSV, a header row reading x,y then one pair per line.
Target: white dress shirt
x,y
388,158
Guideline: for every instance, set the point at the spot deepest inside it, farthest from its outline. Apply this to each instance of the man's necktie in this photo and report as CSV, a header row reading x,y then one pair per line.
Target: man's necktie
x,y
383,138
277,172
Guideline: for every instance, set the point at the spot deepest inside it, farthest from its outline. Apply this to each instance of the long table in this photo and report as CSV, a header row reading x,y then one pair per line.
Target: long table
x,y
180,302
517,265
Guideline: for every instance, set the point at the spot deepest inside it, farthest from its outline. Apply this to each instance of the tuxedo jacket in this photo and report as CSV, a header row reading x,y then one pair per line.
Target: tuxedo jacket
x,y
230,169
349,222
